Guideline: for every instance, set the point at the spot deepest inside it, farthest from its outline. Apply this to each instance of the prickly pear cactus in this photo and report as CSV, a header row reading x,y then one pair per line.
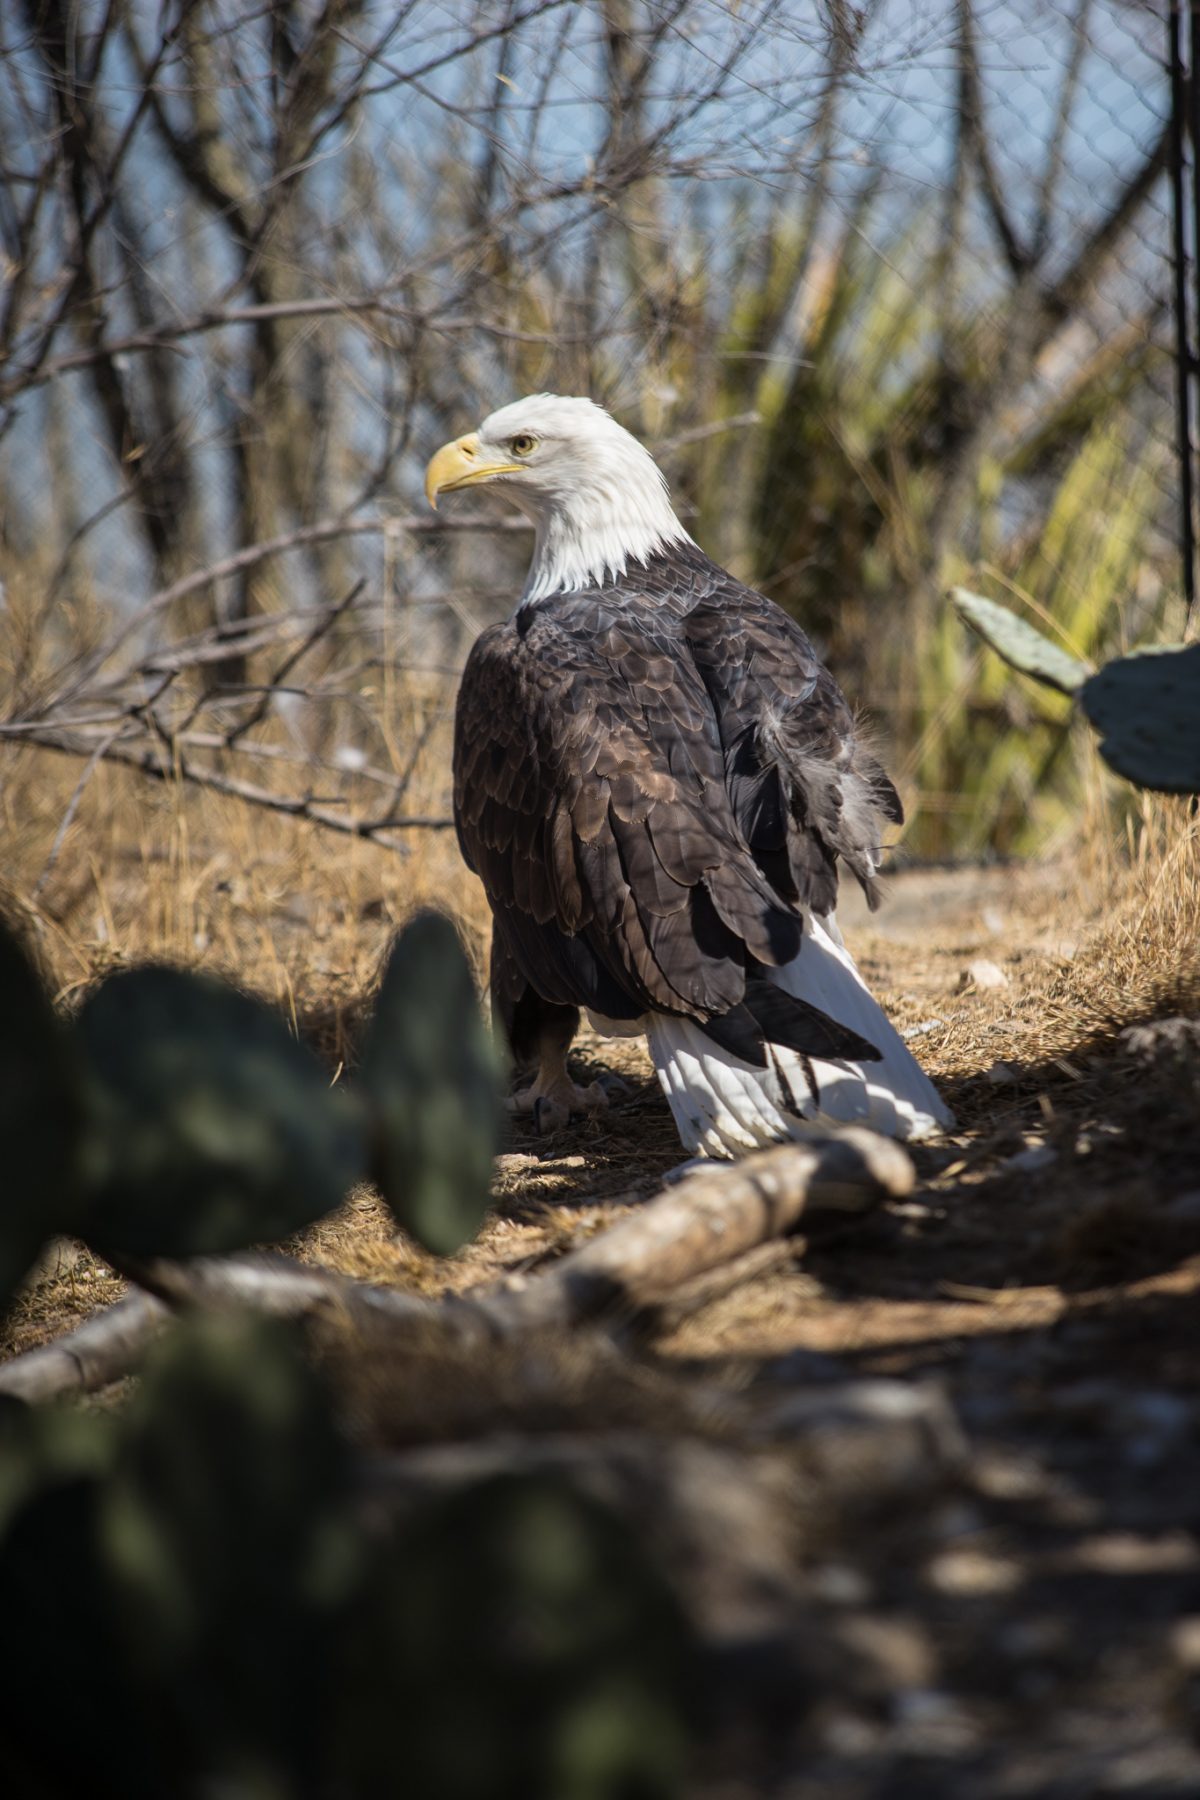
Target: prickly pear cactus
x,y
1146,708
226,1525
54,1591
196,1573
431,1078
41,1118
213,1129
1020,643
184,1568
523,1605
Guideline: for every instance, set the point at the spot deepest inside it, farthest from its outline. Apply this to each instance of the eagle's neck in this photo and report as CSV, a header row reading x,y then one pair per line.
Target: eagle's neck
x,y
594,541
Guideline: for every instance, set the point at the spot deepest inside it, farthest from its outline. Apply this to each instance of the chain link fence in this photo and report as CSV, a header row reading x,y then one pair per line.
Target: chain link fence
x,y
888,287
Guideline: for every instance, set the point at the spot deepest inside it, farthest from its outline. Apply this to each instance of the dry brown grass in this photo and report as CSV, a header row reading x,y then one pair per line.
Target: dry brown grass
x,y
1098,940
168,872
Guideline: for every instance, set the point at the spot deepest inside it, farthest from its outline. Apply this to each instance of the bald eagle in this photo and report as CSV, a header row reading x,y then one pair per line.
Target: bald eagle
x,y
656,780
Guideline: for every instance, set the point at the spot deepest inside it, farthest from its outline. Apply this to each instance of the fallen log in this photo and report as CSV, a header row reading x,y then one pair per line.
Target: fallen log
x,y
714,1216
102,1349
666,1314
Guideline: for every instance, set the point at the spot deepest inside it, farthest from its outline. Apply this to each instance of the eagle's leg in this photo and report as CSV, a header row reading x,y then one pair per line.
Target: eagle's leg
x,y
553,1098
541,1031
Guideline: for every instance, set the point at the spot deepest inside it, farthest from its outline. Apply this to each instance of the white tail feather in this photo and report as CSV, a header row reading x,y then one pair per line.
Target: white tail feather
x,y
724,1106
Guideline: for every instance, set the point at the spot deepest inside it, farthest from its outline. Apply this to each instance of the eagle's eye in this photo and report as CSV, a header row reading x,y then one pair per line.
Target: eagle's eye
x,y
522,444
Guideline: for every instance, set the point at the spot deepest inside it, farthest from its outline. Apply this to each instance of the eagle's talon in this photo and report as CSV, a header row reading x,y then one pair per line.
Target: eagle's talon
x,y
549,1116
553,1102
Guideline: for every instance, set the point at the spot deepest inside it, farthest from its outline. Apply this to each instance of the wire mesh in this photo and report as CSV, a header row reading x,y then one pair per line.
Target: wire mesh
x,y
888,288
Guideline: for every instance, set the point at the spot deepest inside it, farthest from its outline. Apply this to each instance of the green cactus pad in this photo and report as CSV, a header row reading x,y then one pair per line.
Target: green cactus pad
x,y
44,1447
40,1118
227,1530
184,1569
54,1592
530,1609
432,1082
1020,643
214,1129
1146,708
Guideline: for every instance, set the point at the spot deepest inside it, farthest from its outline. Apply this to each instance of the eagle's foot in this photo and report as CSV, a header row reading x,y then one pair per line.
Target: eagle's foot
x,y
552,1104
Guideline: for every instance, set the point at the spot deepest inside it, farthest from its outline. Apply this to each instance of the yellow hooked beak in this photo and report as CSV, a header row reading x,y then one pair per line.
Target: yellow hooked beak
x,y
460,465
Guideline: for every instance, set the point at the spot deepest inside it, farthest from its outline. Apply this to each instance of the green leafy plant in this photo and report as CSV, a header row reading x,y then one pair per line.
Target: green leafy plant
x,y
890,456
1146,706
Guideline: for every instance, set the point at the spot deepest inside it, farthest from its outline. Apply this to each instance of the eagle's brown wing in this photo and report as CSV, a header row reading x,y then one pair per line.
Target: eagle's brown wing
x,y
804,788
590,798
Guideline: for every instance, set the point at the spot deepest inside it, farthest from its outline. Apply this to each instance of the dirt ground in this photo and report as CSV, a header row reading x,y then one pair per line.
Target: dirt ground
x,y
1002,1596
1027,1621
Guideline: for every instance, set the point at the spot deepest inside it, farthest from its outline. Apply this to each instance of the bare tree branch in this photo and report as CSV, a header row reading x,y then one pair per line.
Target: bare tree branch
x,y
1101,242
974,132
79,673
161,767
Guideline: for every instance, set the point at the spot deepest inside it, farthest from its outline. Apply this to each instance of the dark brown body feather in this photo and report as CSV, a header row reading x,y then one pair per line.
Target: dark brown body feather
x,y
649,779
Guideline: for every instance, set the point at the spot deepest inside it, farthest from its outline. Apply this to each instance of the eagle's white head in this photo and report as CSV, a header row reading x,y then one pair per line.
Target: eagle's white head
x,y
597,498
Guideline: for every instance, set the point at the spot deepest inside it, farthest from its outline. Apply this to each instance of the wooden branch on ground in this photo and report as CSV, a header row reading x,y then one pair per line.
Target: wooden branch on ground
x,y
102,1349
709,1218
866,1440
712,1218
691,1297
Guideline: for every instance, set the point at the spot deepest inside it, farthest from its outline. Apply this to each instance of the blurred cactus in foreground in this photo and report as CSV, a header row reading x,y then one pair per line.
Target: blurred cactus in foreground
x,y
178,1117
192,1582
200,1601
40,1118
431,1078
1146,706
211,1126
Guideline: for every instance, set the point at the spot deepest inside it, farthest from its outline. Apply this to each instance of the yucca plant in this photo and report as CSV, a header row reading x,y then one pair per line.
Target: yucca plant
x,y
843,489
1005,753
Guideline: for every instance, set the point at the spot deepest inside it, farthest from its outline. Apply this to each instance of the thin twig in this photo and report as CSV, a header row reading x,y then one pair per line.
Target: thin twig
x,y
64,825
297,806
275,682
